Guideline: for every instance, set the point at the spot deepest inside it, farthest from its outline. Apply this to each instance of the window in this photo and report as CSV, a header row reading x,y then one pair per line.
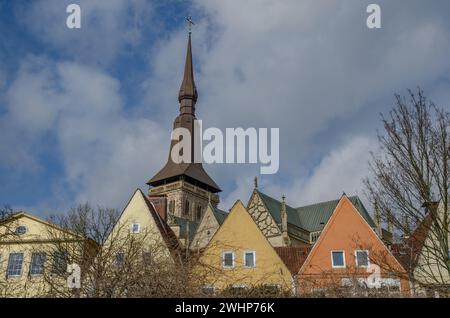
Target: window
x,y
147,258
186,208
338,259
208,290
37,263
198,215
15,263
362,258
135,228
249,259
228,259
120,259
60,260
171,206
21,230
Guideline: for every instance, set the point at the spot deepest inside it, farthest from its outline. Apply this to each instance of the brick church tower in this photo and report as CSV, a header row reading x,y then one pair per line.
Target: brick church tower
x,y
184,190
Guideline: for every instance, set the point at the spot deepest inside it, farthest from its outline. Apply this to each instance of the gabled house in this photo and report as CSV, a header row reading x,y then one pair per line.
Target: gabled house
x,y
33,250
240,256
425,252
301,226
139,223
345,255
210,223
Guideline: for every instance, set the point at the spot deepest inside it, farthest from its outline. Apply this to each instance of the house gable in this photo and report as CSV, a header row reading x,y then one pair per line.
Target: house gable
x,y
348,231
211,221
157,235
261,215
238,234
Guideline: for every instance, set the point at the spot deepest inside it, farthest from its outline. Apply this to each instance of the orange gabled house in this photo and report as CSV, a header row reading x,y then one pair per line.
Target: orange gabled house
x,y
345,257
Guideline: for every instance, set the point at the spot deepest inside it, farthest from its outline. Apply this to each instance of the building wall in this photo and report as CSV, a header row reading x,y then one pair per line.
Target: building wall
x,y
239,233
347,231
39,237
430,269
264,220
205,231
181,191
149,236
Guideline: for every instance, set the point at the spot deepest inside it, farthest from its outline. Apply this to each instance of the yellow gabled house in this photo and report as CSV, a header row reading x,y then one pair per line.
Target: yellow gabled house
x,y
240,256
141,229
34,252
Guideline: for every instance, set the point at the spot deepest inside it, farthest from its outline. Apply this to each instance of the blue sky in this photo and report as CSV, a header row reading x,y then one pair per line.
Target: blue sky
x,y
86,114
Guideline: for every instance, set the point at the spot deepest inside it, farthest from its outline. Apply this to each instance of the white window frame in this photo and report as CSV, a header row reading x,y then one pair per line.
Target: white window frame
x,y
332,261
138,229
30,269
254,258
233,258
356,259
21,265
239,286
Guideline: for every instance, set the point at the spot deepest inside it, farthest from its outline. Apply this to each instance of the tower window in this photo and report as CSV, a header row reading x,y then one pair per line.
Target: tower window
x,y
199,213
187,207
171,206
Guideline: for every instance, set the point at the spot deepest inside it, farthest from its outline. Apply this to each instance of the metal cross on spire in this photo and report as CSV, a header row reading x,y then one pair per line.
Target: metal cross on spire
x,y
190,23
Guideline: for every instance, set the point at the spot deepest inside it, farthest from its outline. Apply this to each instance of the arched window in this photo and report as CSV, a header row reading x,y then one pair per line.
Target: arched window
x,y
187,207
171,206
198,214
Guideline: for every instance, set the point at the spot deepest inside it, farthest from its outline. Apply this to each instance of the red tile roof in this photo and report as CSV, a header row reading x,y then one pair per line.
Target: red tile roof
x,y
408,252
293,257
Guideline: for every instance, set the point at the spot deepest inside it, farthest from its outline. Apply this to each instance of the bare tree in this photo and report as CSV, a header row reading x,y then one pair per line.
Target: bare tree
x,y
410,178
115,262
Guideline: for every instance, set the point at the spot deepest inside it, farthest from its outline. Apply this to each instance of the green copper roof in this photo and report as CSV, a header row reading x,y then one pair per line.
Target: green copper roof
x,y
220,215
311,217
183,227
274,207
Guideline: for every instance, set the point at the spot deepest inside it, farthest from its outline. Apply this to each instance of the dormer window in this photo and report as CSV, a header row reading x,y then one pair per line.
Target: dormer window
x,y
21,230
135,228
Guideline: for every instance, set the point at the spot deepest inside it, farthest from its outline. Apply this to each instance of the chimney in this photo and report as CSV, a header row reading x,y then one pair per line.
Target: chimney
x,y
160,203
284,222
378,220
390,225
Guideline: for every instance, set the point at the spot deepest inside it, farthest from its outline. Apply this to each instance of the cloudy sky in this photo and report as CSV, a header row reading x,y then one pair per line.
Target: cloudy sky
x,y
85,115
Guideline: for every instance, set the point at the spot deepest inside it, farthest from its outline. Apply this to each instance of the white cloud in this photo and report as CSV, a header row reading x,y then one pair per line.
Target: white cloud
x,y
108,27
105,152
341,170
311,68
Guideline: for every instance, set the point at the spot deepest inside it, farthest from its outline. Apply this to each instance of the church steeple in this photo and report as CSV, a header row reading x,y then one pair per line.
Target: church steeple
x,y
191,172
188,91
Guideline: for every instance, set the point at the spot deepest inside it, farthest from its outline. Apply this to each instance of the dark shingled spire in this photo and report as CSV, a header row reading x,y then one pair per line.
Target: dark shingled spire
x,y
188,89
191,172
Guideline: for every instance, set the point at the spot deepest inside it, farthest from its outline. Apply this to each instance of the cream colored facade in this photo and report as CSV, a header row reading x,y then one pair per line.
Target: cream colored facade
x,y
430,268
137,224
206,229
37,236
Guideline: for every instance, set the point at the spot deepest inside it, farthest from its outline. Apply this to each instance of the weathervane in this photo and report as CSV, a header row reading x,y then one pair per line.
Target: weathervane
x,y
190,23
